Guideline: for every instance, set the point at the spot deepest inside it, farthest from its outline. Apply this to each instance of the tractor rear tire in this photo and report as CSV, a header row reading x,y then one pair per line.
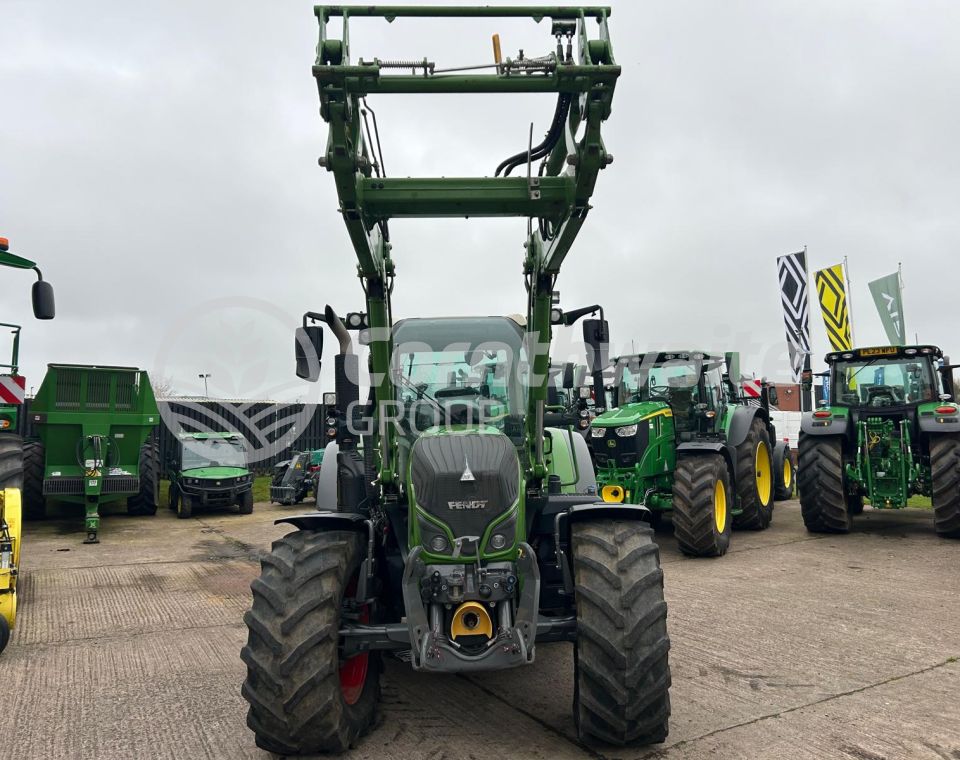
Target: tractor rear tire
x,y
145,502
785,483
11,461
622,673
701,505
4,633
34,503
755,480
246,502
823,498
299,700
945,472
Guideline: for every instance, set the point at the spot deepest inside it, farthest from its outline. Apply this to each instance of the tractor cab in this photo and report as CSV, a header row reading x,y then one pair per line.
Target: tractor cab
x,y
209,470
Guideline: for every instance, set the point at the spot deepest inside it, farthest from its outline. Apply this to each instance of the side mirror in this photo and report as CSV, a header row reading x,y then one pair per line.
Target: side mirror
x,y
596,334
43,303
568,370
772,396
308,348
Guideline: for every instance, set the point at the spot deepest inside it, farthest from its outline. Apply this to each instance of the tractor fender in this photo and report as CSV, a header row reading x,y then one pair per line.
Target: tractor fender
x,y
327,521
930,424
743,417
726,450
820,427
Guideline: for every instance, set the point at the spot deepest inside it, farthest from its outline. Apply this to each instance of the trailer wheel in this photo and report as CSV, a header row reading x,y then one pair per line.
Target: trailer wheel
x,y
304,699
34,503
783,472
11,461
945,469
145,502
823,499
755,479
246,502
702,503
621,669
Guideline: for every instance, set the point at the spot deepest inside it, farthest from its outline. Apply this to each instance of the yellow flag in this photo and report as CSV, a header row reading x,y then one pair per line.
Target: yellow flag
x,y
833,306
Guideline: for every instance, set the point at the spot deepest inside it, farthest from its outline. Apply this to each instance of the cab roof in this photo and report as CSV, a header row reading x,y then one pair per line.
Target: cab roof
x,y
884,352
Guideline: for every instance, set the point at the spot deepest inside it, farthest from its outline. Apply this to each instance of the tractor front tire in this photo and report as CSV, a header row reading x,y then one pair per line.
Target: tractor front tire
x,y
145,501
622,673
945,471
755,479
823,499
11,461
184,506
246,502
303,698
34,503
701,505
785,483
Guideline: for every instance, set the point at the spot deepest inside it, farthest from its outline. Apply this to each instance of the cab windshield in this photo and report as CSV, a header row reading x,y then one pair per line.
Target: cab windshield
x,y
213,452
458,371
882,382
642,381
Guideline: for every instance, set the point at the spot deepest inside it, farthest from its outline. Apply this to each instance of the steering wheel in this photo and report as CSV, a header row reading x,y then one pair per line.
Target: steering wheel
x,y
880,395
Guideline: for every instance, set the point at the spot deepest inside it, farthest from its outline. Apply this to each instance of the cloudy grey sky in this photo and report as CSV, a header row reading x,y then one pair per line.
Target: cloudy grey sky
x,y
159,161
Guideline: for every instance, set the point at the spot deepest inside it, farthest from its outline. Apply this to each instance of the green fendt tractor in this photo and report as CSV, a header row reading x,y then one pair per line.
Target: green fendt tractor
x,y
12,387
890,429
451,538
209,470
95,446
679,440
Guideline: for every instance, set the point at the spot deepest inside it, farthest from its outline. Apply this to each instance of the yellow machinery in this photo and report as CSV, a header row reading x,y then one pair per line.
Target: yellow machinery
x,y
9,560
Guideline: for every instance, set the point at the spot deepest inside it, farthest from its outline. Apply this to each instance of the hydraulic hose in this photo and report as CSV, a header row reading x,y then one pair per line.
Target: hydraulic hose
x,y
543,149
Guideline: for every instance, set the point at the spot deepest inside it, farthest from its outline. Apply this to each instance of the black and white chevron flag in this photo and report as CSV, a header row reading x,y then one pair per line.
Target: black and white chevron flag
x,y
792,269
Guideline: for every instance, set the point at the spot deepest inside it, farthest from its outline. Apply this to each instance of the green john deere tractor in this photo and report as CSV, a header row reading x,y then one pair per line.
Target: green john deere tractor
x,y
209,470
679,441
462,535
890,429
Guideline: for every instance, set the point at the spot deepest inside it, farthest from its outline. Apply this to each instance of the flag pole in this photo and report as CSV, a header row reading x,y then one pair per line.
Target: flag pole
x,y
903,320
846,274
806,398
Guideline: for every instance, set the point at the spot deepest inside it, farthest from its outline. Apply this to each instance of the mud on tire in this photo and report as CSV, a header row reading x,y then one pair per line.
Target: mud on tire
x,y
945,471
293,684
695,517
622,672
823,502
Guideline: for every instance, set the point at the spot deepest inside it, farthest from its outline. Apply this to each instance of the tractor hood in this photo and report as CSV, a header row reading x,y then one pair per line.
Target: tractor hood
x,y
630,414
215,473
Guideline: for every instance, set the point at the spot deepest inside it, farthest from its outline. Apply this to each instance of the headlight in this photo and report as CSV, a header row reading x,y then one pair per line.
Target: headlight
x,y
626,431
438,544
598,432
498,541
586,392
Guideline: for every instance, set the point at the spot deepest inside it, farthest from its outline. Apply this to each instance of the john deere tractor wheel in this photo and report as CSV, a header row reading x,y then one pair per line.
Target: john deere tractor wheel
x,y
246,503
702,503
945,471
305,699
622,674
145,502
11,461
783,479
755,479
34,503
823,501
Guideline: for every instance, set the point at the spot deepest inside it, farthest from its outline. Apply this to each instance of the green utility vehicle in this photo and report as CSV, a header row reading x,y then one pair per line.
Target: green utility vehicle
x,y
890,429
451,538
209,470
678,440
94,425
295,478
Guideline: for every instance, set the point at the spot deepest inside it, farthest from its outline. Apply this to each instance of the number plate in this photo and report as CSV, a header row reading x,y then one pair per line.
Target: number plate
x,y
881,351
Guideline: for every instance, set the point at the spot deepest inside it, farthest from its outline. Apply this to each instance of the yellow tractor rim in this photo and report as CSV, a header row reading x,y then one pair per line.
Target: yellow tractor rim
x,y
764,473
720,506
787,472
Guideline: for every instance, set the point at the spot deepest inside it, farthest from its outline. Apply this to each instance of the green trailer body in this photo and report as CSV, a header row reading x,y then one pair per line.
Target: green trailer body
x,y
889,430
93,424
